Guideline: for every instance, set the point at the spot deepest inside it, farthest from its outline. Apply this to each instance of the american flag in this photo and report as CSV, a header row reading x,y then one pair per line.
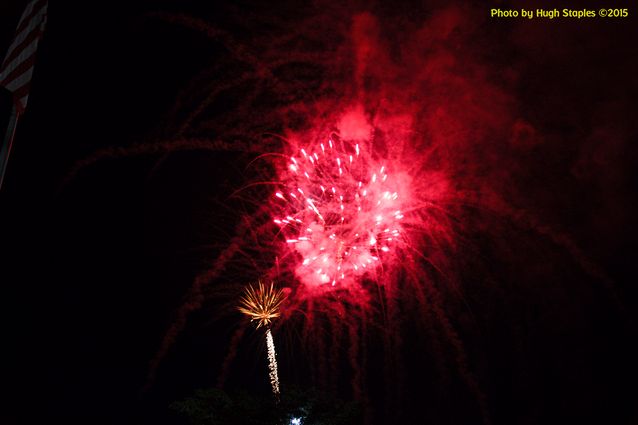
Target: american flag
x,y
17,68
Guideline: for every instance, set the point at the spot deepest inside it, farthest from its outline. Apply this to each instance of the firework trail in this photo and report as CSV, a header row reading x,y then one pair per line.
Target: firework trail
x,y
262,304
383,149
272,364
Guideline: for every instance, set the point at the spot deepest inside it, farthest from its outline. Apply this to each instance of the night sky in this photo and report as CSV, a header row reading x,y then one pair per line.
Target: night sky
x,y
108,216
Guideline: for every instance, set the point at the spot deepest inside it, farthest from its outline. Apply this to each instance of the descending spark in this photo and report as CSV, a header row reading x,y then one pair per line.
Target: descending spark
x,y
340,210
262,304
272,363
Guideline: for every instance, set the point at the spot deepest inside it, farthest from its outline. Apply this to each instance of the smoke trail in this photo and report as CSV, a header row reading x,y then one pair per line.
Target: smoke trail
x,y
194,300
230,356
336,330
353,353
461,355
159,147
499,207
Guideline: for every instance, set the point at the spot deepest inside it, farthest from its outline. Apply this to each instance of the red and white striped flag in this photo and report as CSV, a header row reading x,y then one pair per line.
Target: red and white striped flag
x,y
17,68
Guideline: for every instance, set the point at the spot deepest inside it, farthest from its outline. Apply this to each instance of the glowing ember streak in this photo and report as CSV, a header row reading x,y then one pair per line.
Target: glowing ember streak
x,y
262,304
272,364
340,233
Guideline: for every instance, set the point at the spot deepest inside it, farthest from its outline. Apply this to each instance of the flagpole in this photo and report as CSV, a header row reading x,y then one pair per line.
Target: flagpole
x,y
5,150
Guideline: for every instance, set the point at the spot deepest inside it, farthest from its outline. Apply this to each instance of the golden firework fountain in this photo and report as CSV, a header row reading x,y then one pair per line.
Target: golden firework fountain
x,y
262,304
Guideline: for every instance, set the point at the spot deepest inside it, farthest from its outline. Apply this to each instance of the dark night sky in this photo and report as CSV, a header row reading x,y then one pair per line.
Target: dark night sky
x,y
94,268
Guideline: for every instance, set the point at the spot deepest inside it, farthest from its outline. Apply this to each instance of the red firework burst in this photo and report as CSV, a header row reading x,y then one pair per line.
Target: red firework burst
x,y
340,210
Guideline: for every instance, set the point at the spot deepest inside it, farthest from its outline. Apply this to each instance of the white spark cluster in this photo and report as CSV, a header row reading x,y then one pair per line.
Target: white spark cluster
x,y
340,210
